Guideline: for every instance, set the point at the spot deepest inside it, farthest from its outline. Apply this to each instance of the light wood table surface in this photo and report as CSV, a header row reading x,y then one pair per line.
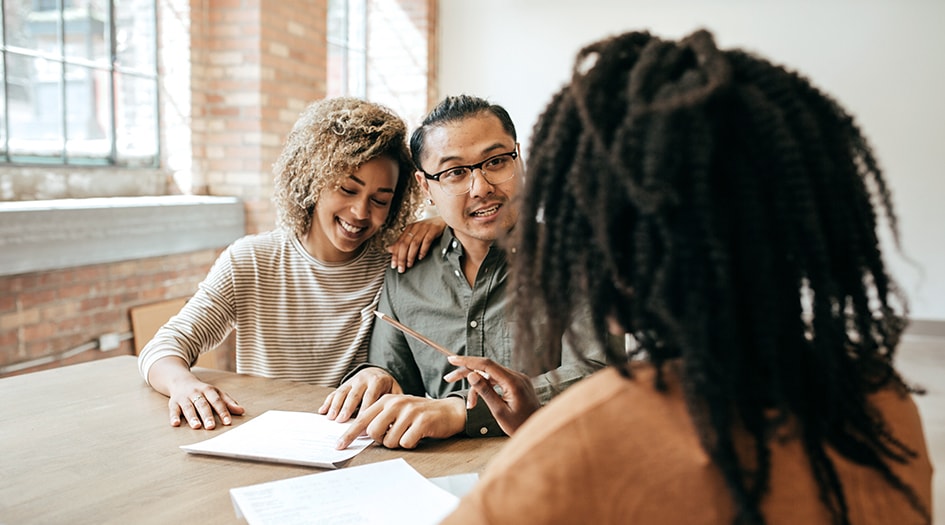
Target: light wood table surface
x,y
91,443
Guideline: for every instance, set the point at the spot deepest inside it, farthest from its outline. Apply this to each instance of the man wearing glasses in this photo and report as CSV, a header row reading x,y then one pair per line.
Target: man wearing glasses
x,y
469,166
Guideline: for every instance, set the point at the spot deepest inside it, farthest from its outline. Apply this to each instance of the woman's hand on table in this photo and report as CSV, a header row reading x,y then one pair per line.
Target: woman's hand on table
x,y
198,403
189,397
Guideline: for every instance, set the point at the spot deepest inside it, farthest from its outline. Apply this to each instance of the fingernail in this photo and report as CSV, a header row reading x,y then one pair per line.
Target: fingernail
x,y
226,420
332,414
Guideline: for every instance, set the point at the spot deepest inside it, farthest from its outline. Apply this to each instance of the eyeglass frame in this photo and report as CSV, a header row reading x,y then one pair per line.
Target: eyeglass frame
x,y
472,167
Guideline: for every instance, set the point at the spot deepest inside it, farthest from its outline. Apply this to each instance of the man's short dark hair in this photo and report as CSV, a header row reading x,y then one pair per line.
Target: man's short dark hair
x,y
454,108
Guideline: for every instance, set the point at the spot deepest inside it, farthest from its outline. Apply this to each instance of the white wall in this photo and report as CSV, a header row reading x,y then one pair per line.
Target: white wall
x,y
882,59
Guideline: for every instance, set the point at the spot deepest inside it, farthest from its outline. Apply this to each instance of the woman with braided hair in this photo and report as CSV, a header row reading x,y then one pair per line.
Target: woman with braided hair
x,y
724,212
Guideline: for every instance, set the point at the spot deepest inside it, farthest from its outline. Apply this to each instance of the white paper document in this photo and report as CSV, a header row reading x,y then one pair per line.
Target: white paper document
x,y
388,492
299,438
457,484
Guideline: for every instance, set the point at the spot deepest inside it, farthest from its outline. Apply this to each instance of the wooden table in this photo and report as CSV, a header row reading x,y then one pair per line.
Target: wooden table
x,y
90,443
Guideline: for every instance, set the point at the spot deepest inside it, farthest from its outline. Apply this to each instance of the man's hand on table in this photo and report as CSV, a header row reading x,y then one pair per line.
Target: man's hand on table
x,y
401,421
362,390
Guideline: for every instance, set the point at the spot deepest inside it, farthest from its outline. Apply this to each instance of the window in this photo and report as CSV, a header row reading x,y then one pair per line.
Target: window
x,y
347,48
79,82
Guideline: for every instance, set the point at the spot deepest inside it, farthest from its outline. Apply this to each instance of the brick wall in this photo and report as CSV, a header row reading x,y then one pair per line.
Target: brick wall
x,y
258,63
236,74
45,315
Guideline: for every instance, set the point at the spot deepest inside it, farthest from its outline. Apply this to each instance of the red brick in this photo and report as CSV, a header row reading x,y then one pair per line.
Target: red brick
x,y
39,332
18,319
29,299
93,303
8,341
7,303
58,311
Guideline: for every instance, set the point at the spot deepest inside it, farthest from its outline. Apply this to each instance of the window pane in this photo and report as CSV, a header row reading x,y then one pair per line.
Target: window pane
x,y
134,25
86,31
3,115
60,102
35,106
357,71
357,24
136,118
35,30
336,84
338,21
346,48
87,115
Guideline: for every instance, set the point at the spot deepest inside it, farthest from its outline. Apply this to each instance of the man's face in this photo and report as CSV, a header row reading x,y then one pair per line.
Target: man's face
x,y
484,213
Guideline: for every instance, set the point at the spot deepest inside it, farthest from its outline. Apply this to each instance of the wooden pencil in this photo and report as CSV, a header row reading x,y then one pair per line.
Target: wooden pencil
x,y
414,333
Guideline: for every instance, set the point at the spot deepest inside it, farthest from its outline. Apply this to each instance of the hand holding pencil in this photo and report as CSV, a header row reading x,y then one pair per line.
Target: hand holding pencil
x,y
508,393
423,339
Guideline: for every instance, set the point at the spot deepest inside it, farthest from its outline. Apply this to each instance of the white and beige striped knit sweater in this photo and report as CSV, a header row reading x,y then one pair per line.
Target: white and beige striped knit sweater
x,y
295,317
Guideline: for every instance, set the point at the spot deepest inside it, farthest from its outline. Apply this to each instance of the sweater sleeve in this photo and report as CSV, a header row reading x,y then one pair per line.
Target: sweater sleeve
x,y
201,325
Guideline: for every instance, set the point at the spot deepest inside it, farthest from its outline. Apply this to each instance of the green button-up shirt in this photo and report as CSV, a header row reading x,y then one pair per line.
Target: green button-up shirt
x,y
435,299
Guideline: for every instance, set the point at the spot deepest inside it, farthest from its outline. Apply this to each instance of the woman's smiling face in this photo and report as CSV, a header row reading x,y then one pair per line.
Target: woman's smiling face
x,y
349,214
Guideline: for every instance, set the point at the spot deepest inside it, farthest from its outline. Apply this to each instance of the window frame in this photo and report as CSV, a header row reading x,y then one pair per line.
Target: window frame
x,y
108,154
348,46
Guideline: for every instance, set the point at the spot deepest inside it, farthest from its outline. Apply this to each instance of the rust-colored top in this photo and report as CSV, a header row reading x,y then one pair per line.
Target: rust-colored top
x,y
612,450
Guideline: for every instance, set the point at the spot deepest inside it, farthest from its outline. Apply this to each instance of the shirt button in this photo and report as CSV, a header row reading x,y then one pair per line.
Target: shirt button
x,y
456,273
483,431
454,244
473,324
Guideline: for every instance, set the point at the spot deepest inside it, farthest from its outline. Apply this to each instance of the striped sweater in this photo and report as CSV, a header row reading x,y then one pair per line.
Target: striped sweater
x,y
295,317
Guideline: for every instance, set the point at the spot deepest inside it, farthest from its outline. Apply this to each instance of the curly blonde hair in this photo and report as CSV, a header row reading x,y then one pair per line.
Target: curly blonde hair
x,y
329,141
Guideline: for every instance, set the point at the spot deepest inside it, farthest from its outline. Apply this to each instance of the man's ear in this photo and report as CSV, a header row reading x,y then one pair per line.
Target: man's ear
x,y
423,183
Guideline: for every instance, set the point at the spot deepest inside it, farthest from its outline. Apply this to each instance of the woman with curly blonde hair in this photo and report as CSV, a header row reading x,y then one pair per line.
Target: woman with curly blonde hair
x,y
301,297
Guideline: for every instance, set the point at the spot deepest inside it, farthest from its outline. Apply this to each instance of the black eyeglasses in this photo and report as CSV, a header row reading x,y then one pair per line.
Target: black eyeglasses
x,y
458,179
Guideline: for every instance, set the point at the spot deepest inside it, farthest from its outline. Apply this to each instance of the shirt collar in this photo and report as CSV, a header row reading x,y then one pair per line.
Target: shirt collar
x,y
450,246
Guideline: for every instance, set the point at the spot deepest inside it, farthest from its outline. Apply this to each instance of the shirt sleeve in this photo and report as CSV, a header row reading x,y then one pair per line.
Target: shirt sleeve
x,y
202,324
479,419
576,364
389,350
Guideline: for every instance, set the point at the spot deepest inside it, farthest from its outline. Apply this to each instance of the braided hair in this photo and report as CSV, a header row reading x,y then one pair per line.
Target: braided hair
x,y
724,210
